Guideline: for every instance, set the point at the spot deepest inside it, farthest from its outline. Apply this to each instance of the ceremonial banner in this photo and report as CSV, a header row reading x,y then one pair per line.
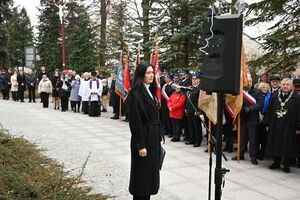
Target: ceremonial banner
x,y
119,81
126,82
208,104
234,104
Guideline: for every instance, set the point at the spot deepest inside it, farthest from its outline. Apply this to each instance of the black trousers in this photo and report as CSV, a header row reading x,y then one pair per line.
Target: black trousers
x,y
85,107
177,127
45,99
75,105
15,95
21,95
64,103
4,93
286,161
249,133
141,197
262,139
31,94
195,128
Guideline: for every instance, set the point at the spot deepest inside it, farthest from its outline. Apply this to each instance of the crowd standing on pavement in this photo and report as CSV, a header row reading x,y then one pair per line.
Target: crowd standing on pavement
x,y
270,116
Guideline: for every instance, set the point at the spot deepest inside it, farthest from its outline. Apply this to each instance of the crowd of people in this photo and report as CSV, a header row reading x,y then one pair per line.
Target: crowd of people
x,y
270,116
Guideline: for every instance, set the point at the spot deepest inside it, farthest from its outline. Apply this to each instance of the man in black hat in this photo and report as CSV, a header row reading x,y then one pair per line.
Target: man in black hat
x,y
194,120
275,83
185,81
166,91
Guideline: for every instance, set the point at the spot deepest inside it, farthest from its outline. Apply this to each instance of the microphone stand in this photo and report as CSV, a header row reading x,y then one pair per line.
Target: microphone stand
x,y
212,141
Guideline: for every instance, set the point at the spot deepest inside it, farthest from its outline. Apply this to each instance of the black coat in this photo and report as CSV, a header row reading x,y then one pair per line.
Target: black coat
x,y
63,92
282,131
55,80
252,116
164,108
21,82
194,96
30,81
146,131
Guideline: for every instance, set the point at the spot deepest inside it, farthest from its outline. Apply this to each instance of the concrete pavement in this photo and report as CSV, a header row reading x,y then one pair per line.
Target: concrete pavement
x,y
70,137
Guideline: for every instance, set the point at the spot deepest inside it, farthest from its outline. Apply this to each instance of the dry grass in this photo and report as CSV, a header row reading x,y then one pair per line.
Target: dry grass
x,y
25,173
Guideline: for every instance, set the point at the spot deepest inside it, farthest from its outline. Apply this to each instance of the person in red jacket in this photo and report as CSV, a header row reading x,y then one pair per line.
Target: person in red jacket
x,y
176,106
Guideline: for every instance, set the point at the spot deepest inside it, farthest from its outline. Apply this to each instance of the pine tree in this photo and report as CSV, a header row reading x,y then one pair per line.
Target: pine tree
x,y
4,16
20,36
49,46
80,39
282,40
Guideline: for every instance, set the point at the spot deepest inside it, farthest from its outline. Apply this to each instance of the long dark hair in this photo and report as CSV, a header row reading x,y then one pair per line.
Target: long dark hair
x,y
138,78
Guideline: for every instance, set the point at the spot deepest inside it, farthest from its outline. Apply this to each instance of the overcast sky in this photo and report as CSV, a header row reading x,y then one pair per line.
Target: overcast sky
x,y
31,7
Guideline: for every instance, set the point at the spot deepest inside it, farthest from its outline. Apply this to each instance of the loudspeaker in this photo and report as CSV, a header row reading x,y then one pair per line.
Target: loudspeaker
x,y
222,64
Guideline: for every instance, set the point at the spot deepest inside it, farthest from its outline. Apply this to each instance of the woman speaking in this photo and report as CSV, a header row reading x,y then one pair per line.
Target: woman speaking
x,y
145,130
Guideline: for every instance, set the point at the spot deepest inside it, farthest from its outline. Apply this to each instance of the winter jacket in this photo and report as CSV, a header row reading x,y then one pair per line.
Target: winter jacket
x,y
176,105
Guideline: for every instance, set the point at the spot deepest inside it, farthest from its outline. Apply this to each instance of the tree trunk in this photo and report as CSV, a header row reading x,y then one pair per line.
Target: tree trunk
x,y
103,12
146,28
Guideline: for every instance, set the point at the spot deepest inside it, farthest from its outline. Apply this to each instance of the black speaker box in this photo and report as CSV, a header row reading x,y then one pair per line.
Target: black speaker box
x,y
222,64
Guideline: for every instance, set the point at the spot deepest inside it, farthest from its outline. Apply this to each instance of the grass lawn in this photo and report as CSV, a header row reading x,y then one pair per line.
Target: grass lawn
x,y
25,173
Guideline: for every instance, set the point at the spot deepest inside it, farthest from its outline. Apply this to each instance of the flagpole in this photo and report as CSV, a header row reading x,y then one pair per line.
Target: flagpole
x,y
239,138
120,109
209,137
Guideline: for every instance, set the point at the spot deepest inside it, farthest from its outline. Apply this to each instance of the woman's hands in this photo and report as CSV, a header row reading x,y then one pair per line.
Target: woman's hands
x,y
143,152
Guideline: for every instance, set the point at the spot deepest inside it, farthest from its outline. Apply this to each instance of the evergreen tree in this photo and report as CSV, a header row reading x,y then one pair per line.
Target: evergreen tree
x,y
20,36
49,46
80,39
4,16
119,29
282,40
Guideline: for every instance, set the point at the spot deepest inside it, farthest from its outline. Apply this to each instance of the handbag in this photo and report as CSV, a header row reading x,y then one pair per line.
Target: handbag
x,y
162,156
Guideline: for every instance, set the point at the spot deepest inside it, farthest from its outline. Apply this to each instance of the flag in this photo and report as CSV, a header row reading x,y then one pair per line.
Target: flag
x,y
157,74
119,88
126,82
208,104
234,104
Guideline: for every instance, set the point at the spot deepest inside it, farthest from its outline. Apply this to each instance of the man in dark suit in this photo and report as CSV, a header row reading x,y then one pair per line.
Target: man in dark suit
x,y
252,102
275,83
167,90
185,81
194,120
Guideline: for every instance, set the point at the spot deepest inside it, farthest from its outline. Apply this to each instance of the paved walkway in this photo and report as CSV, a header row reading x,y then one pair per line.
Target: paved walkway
x,y
70,137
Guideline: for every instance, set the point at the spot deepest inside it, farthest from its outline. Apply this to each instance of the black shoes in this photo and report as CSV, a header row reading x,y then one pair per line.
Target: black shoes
x,y
274,166
189,143
175,139
235,157
115,117
103,110
286,169
254,161
196,145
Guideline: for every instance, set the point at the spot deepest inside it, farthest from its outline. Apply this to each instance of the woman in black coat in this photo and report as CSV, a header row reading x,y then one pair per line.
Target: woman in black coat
x,y
145,130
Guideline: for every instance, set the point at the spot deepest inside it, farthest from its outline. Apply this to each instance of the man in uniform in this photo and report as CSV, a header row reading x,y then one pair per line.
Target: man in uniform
x,y
194,120
283,123
166,91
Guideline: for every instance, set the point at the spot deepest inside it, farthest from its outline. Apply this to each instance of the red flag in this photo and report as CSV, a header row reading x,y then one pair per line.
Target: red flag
x,y
126,77
157,74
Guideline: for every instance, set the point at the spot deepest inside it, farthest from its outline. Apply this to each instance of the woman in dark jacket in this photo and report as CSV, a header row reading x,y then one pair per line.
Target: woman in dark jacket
x,y
145,130
21,85
64,92
55,98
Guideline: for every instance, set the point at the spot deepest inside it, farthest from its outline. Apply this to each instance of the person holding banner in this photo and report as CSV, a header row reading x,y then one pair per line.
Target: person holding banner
x,y
253,101
146,134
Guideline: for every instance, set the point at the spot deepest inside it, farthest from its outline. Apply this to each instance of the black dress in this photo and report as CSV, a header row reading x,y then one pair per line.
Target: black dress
x,y
146,131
